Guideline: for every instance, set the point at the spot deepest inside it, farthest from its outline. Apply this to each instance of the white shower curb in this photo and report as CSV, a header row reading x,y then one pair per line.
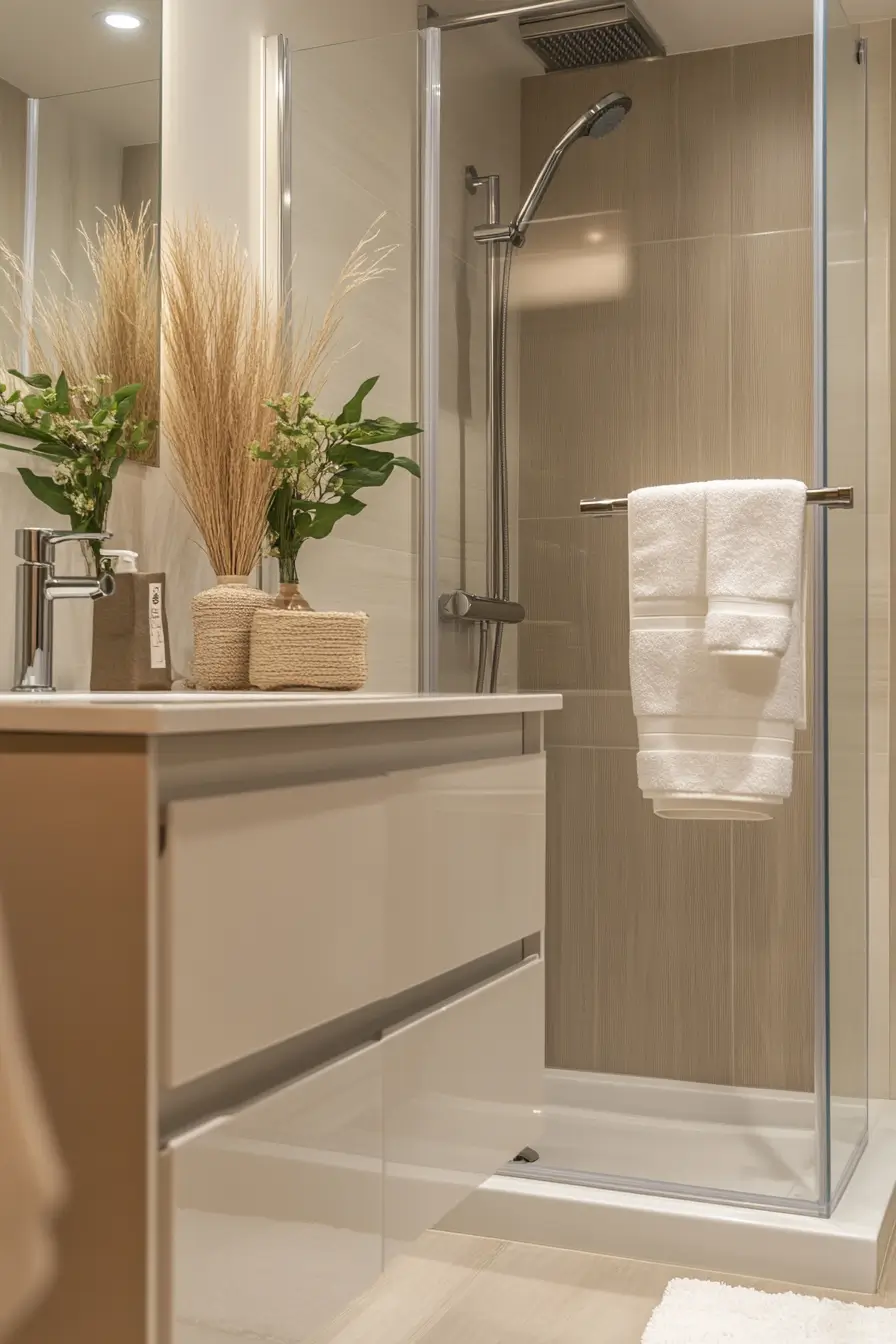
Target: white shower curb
x,y
844,1252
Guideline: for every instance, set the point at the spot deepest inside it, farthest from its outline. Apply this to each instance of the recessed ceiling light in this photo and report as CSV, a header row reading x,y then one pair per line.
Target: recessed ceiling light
x,y
122,20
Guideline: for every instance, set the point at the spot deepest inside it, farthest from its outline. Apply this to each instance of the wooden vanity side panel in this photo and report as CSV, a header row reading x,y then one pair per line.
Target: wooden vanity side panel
x,y
74,883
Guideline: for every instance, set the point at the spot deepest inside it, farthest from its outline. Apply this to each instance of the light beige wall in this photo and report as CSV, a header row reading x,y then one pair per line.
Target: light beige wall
x,y
13,113
140,179
354,132
78,176
76,169
681,952
354,144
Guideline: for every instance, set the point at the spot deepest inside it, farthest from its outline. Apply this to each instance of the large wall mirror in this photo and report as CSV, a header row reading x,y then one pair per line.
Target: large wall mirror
x,y
80,98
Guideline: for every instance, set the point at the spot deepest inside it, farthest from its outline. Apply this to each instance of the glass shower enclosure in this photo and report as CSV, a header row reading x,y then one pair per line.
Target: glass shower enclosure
x,y
690,304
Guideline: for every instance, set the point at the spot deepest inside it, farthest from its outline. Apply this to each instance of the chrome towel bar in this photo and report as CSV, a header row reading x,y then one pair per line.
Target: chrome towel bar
x,y
831,496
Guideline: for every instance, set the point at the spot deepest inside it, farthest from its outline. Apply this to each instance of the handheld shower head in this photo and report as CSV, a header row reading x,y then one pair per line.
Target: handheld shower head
x,y
603,118
599,120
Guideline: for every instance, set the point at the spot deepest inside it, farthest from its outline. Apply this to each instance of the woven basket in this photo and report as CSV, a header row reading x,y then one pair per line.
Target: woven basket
x,y
323,650
222,625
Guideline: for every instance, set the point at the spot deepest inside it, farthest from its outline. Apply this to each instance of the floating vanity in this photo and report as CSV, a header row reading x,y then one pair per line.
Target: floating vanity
x,y
280,961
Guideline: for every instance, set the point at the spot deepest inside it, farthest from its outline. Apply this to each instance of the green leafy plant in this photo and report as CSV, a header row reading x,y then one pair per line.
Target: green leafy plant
x,y
320,465
85,432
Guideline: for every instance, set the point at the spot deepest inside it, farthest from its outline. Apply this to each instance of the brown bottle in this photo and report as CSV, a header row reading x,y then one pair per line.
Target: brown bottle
x,y
131,650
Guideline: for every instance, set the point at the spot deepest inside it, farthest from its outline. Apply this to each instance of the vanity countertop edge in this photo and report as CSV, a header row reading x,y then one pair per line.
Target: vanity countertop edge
x,y
155,715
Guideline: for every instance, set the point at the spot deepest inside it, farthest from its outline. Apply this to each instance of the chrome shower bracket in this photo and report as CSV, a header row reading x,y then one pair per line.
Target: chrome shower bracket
x,y
462,606
492,232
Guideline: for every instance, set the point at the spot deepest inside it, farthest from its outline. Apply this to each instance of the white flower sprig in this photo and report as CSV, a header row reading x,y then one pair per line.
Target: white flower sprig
x,y
86,452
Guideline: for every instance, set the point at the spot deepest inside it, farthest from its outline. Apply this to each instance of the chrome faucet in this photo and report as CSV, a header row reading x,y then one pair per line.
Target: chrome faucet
x,y
37,588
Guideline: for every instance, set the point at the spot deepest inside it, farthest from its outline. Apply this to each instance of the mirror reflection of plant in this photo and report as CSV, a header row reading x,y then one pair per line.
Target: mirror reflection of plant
x,y
116,330
320,465
86,446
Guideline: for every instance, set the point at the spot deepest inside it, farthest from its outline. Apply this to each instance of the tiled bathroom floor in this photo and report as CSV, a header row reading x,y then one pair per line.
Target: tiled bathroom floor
x,y
468,1290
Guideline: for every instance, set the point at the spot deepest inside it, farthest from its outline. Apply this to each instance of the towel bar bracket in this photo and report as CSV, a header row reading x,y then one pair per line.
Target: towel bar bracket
x,y
831,497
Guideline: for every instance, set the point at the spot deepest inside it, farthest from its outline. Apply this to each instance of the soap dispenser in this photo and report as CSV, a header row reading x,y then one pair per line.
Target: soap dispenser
x,y
131,651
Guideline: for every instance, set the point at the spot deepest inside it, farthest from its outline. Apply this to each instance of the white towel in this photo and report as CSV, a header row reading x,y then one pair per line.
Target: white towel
x,y
669,560
716,735
754,562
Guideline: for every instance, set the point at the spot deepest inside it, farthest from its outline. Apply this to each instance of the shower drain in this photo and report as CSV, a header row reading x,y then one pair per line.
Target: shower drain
x,y
526,1155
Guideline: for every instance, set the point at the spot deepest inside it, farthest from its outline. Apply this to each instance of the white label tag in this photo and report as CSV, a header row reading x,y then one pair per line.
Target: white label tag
x,y
158,654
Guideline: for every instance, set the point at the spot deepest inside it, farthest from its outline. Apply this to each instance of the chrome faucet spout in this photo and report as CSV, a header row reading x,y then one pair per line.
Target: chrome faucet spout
x,y
37,590
93,589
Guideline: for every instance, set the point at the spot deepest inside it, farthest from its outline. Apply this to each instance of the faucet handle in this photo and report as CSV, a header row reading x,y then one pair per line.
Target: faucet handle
x,y
35,544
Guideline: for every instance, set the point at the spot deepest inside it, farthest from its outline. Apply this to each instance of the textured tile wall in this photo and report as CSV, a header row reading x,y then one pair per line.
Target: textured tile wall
x,y
675,951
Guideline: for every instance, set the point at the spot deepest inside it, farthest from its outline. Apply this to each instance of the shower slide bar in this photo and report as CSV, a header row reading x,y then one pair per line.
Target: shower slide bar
x,y
831,497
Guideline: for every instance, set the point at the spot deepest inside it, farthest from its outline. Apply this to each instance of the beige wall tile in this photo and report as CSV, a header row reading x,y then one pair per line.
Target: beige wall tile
x,y
565,438
704,374
772,136
590,177
629,392
570,934
635,170
638,928
705,120
573,583
593,719
701,368
771,353
650,148
772,945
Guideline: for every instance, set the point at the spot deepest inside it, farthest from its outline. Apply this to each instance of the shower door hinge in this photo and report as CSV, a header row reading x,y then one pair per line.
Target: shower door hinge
x,y
862,51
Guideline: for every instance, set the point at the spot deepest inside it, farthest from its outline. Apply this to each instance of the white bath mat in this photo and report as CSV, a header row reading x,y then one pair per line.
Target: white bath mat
x,y
693,1312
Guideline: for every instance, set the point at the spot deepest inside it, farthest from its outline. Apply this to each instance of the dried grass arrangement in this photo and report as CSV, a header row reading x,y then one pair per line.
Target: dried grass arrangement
x,y
227,353
115,334
223,352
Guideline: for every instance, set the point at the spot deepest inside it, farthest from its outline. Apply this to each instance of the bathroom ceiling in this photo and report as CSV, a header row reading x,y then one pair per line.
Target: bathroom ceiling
x,y
693,25
60,46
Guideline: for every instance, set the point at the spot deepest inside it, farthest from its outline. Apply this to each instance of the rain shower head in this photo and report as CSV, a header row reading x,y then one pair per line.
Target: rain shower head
x,y
601,119
591,35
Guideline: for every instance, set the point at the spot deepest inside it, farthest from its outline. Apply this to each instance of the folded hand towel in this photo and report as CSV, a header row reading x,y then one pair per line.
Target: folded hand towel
x,y
669,560
754,561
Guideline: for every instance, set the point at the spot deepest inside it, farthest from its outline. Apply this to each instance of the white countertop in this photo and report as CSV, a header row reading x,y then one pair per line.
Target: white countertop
x,y
154,714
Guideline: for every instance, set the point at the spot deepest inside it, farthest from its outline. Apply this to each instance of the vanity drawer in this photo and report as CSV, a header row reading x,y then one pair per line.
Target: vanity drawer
x,y
275,1213
462,1088
272,918
466,865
